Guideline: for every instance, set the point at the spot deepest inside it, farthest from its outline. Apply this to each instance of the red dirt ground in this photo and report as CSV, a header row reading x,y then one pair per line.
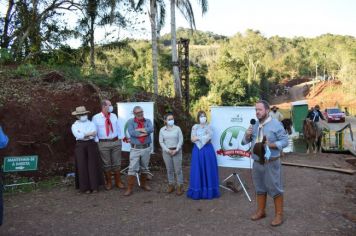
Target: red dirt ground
x,y
317,202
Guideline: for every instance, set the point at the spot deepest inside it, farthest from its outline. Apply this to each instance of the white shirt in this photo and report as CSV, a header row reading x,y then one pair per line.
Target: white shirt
x,y
276,115
80,128
99,121
203,132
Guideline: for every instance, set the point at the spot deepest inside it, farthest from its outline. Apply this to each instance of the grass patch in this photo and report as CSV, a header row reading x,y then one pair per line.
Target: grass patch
x,y
40,185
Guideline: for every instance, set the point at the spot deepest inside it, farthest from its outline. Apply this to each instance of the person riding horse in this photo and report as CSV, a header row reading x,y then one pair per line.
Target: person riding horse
x,y
313,130
315,115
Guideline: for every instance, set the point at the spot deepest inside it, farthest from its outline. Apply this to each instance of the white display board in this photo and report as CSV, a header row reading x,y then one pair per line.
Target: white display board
x,y
125,112
229,125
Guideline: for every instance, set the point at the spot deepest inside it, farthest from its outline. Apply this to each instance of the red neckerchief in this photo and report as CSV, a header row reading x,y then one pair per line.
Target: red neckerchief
x,y
140,124
108,124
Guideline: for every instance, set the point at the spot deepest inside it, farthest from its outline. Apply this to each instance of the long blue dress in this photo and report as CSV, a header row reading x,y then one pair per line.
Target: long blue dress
x,y
204,174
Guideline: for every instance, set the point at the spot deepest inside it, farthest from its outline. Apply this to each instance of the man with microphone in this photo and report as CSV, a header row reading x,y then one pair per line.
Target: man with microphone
x,y
266,170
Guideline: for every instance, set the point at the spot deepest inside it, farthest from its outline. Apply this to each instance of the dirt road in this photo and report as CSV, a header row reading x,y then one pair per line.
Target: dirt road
x,y
316,203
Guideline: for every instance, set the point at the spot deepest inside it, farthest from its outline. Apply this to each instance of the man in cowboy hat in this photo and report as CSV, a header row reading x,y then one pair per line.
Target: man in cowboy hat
x,y
108,136
275,114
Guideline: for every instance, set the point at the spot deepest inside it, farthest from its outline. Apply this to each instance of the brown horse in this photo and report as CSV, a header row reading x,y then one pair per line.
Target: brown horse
x,y
287,125
311,136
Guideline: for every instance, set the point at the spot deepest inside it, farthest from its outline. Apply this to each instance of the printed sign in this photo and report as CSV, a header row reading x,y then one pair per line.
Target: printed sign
x,y
20,163
229,125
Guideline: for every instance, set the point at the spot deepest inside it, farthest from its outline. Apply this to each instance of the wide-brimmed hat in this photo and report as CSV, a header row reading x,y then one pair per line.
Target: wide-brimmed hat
x,y
80,111
274,107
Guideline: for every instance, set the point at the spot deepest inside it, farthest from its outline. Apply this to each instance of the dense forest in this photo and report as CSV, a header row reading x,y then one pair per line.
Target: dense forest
x,y
224,70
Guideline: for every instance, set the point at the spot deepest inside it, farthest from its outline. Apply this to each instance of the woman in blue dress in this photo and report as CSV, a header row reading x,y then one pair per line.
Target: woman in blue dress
x,y
204,174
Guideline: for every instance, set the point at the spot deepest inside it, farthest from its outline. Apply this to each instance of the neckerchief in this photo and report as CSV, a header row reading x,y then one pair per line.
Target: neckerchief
x,y
108,124
260,129
140,124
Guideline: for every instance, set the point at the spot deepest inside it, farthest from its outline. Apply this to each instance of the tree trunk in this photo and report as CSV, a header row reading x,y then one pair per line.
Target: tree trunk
x,y
5,38
92,45
177,83
153,20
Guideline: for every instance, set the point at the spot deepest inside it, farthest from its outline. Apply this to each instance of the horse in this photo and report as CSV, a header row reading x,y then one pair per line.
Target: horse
x,y
311,136
287,125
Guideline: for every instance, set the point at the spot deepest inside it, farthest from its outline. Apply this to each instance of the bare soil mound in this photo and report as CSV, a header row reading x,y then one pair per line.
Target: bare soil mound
x,y
36,115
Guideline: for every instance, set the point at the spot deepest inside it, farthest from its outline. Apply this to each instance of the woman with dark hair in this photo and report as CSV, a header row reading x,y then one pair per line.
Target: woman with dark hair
x,y
204,174
171,141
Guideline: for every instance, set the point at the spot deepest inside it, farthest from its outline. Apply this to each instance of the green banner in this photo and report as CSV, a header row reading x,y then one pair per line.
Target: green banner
x,y
20,163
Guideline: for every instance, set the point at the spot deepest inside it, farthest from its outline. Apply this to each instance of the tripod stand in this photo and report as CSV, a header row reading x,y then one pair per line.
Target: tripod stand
x,y
124,172
239,179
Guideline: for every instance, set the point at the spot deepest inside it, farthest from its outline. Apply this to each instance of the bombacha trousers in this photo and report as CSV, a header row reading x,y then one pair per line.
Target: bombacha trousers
x,y
139,160
267,178
110,153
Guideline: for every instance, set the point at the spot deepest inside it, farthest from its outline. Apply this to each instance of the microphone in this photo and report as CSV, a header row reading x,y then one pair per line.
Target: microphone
x,y
252,122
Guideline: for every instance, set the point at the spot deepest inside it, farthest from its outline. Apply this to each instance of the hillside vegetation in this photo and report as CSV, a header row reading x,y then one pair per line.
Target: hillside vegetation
x,y
223,71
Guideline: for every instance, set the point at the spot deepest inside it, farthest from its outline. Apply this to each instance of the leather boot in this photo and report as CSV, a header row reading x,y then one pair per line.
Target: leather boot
x,y
118,182
278,206
143,180
261,206
108,181
170,188
130,183
180,190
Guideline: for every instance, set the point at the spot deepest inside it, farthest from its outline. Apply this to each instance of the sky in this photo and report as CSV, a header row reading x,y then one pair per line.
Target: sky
x,y
287,18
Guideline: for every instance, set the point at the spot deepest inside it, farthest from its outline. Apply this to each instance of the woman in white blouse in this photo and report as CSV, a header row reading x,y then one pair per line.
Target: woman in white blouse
x,y
87,163
204,174
171,141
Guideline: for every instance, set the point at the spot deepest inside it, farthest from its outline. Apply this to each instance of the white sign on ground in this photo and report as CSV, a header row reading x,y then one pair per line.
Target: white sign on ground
x,y
229,125
125,112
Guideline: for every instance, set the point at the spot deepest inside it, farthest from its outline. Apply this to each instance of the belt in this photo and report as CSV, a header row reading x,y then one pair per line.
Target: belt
x,y
172,148
85,141
267,161
109,140
140,146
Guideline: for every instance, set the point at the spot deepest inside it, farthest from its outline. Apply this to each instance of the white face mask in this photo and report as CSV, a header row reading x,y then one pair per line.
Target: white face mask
x,y
202,119
111,109
83,118
170,122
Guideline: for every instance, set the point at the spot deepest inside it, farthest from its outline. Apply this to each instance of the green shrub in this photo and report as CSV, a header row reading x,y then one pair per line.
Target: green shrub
x,y
27,70
5,56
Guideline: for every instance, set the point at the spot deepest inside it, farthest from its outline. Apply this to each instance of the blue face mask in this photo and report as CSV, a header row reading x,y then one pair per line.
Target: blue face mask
x,y
111,109
267,152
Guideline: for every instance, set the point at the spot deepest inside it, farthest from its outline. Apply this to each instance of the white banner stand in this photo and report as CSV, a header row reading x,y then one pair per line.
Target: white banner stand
x,y
229,124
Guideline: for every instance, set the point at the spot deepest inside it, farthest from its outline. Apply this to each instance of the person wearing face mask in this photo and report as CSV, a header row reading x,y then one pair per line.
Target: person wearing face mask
x,y
269,134
204,174
88,173
171,141
109,143
140,130
275,114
